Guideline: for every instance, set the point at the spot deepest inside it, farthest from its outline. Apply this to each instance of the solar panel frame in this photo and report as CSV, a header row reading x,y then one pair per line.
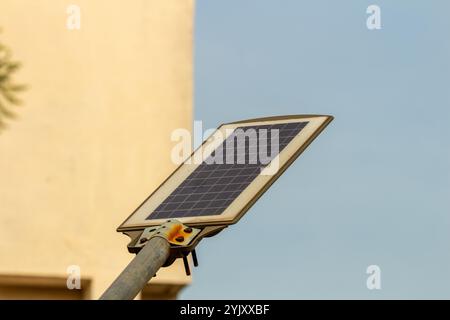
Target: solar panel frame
x,y
241,204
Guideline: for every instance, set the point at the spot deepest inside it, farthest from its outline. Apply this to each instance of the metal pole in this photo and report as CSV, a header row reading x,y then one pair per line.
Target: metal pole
x,y
139,271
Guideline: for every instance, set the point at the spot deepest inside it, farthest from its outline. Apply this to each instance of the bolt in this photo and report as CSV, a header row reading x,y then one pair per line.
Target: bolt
x,y
143,240
188,230
180,239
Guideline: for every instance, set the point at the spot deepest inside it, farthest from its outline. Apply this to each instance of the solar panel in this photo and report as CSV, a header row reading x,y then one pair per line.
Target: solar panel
x,y
236,170
211,188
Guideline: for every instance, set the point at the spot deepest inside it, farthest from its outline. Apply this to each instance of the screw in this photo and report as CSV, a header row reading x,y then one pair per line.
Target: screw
x,y
188,230
143,240
180,239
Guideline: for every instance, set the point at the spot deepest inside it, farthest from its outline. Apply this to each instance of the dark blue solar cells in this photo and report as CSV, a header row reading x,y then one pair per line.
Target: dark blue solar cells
x,y
225,174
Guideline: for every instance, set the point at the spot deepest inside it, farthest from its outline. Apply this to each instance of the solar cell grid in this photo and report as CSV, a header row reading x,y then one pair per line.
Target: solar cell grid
x,y
211,188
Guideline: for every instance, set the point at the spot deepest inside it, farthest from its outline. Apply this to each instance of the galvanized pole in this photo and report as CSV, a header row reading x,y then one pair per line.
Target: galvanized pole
x,y
139,271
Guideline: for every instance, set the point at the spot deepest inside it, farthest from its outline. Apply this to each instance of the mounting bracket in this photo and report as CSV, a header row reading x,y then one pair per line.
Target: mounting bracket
x,y
182,239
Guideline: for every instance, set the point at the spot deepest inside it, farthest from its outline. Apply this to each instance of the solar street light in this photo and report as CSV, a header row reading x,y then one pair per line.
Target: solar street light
x,y
211,190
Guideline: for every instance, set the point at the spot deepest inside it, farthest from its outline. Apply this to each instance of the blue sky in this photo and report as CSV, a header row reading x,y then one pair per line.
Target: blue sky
x,y
374,188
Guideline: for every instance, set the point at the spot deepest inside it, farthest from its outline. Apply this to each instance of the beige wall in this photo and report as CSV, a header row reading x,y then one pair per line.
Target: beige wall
x,y
93,139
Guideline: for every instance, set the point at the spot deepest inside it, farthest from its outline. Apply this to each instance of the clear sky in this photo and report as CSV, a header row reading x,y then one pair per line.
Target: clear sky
x,y
374,187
